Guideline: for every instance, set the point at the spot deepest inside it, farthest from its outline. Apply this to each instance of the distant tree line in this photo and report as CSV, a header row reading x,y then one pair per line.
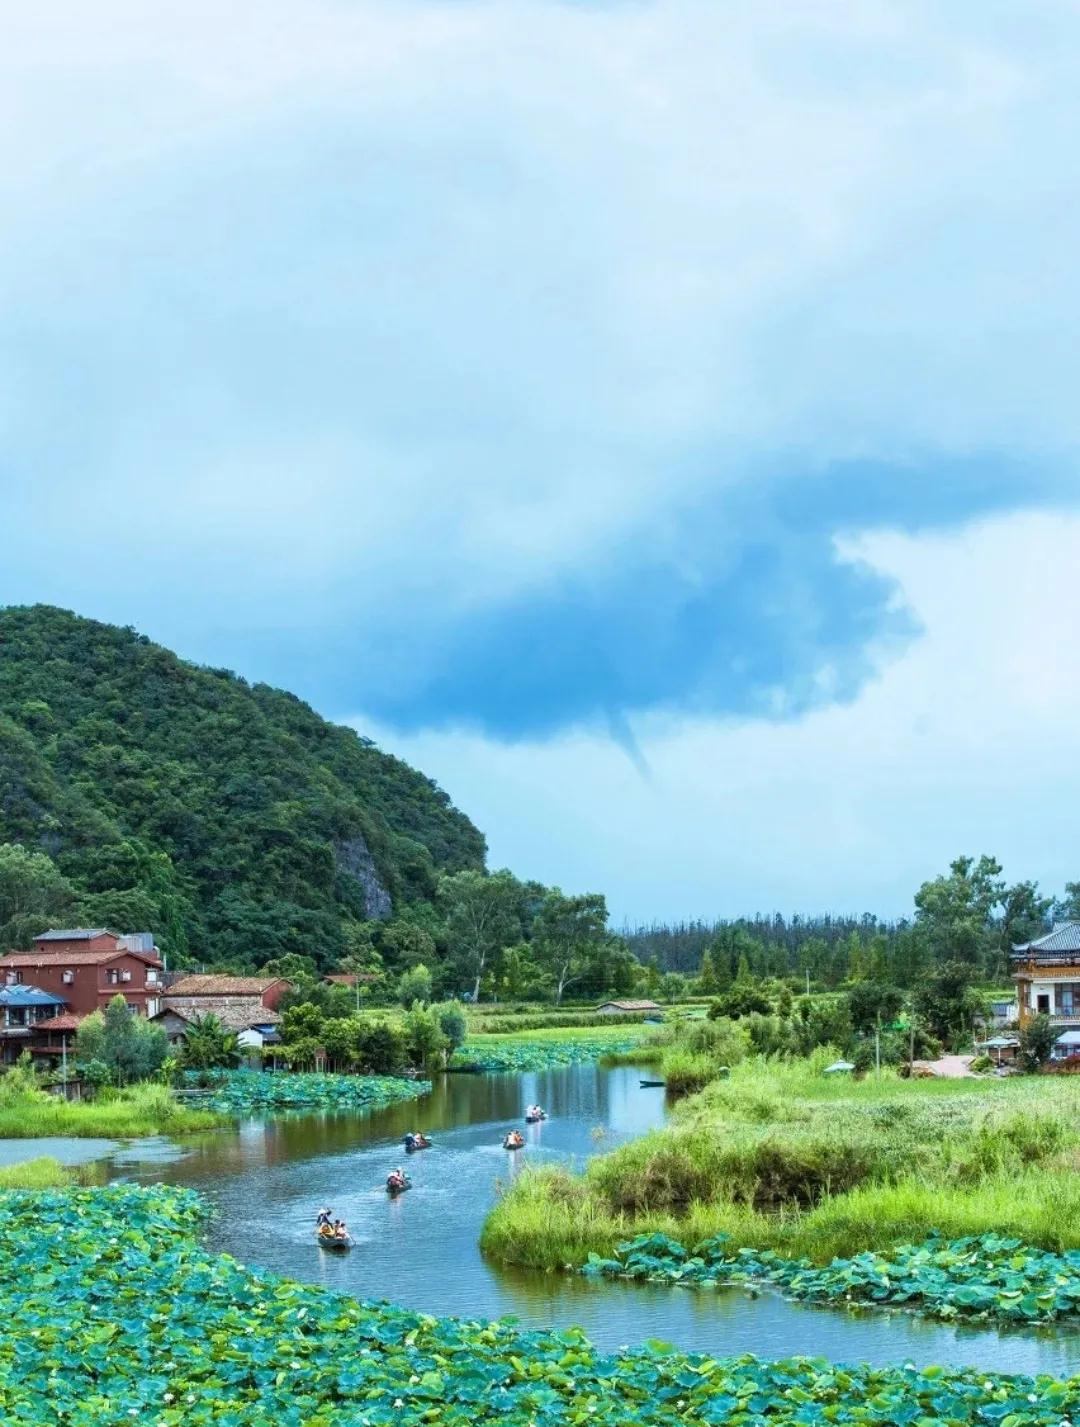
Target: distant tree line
x,y
971,915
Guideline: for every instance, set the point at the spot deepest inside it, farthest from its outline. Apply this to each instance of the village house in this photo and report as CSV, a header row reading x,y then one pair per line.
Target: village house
x,y
245,1004
24,1012
86,967
1047,976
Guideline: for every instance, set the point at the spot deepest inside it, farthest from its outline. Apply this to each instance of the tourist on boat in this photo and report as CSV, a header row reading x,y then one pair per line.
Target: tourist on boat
x,y
340,1231
326,1229
396,1179
323,1218
514,1140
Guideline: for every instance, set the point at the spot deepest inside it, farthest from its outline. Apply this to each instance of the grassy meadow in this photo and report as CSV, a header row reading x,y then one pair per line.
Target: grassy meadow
x,y
27,1112
781,1157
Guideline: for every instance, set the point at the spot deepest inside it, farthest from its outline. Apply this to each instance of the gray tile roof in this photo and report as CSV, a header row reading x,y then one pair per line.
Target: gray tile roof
x,y
1064,937
75,934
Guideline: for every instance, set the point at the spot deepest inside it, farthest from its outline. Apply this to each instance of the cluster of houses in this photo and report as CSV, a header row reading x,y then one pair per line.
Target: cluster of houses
x,y
45,993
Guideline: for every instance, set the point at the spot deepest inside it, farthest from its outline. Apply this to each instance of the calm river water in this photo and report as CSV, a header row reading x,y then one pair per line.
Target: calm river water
x,y
267,1180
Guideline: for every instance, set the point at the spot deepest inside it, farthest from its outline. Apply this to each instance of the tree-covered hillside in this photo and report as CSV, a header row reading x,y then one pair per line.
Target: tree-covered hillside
x,y
228,817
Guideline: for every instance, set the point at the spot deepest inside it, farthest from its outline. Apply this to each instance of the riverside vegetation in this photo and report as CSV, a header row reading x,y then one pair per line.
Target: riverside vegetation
x,y
134,1321
28,1112
779,1158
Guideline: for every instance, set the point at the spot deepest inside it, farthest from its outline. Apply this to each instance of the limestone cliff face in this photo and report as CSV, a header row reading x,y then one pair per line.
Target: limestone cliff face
x,y
353,857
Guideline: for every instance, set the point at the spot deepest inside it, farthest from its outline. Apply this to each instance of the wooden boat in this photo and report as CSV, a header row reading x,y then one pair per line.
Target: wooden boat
x,y
333,1245
395,1189
535,1119
411,1146
650,1084
511,1144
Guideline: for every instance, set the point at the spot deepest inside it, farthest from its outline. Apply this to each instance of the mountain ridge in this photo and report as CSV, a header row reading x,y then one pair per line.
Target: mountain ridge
x,y
231,812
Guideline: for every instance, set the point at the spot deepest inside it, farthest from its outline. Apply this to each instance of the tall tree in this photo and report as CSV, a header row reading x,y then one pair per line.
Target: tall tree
x,y
130,1046
957,912
480,914
33,893
570,932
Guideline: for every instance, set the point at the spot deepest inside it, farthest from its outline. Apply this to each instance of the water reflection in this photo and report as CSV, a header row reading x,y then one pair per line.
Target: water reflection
x,y
267,1178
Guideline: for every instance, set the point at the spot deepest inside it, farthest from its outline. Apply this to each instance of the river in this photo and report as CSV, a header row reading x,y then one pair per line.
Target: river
x,y
267,1179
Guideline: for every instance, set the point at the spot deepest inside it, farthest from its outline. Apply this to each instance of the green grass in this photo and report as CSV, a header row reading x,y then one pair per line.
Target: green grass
x,y
610,1030
42,1173
779,1157
144,1109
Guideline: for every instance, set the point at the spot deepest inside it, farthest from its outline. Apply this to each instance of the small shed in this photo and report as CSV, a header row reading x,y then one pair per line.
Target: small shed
x,y
627,1008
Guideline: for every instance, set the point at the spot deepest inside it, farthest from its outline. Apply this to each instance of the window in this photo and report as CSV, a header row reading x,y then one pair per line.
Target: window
x,y
1042,1003
125,976
1067,1000
67,977
151,977
13,978
112,977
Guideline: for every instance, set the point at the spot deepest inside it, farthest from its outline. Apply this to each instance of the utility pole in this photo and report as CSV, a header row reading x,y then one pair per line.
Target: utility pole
x,y
877,1046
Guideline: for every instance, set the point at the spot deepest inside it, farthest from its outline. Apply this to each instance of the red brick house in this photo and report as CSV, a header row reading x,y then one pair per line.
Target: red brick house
x,y
87,967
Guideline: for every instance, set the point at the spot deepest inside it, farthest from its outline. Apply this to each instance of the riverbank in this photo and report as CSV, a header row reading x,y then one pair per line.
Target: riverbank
x,y
780,1158
135,1321
146,1109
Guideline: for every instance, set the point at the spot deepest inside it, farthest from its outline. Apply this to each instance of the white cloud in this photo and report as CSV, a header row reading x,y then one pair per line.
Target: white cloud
x,y
968,743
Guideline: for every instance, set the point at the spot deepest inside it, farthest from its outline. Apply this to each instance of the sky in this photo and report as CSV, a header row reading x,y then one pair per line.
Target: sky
x,y
655,418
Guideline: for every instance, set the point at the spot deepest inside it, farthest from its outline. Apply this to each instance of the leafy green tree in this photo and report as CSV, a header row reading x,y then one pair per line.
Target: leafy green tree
x,y
1037,1039
415,985
131,1047
380,1048
404,944
871,1006
33,894
293,967
957,912
708,981
453,1023
744,999
480,915
672,986
209,1046
339,1040
302,1022
424,1038
570,932
302,1053
944,1002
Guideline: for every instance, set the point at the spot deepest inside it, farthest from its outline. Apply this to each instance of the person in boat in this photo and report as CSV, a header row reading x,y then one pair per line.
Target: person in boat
x,y
396,1179
410,1140
322,1219
340,1231
514,1140
326,1230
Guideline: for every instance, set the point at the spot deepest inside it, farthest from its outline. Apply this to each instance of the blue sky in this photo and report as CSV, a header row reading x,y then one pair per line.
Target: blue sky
x,y
595,402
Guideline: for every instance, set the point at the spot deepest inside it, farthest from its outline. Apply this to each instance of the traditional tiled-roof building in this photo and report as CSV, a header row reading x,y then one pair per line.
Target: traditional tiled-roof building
x,y
1047,976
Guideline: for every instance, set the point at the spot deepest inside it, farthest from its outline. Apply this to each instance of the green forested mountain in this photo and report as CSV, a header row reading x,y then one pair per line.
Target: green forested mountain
x,y
222,814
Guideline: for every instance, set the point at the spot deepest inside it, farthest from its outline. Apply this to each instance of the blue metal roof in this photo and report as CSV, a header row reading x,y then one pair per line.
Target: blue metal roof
x,y
28,996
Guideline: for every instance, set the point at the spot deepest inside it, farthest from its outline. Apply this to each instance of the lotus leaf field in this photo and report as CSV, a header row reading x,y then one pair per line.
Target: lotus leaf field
x,y
479,1054
114,1313
253,1092
984,1277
